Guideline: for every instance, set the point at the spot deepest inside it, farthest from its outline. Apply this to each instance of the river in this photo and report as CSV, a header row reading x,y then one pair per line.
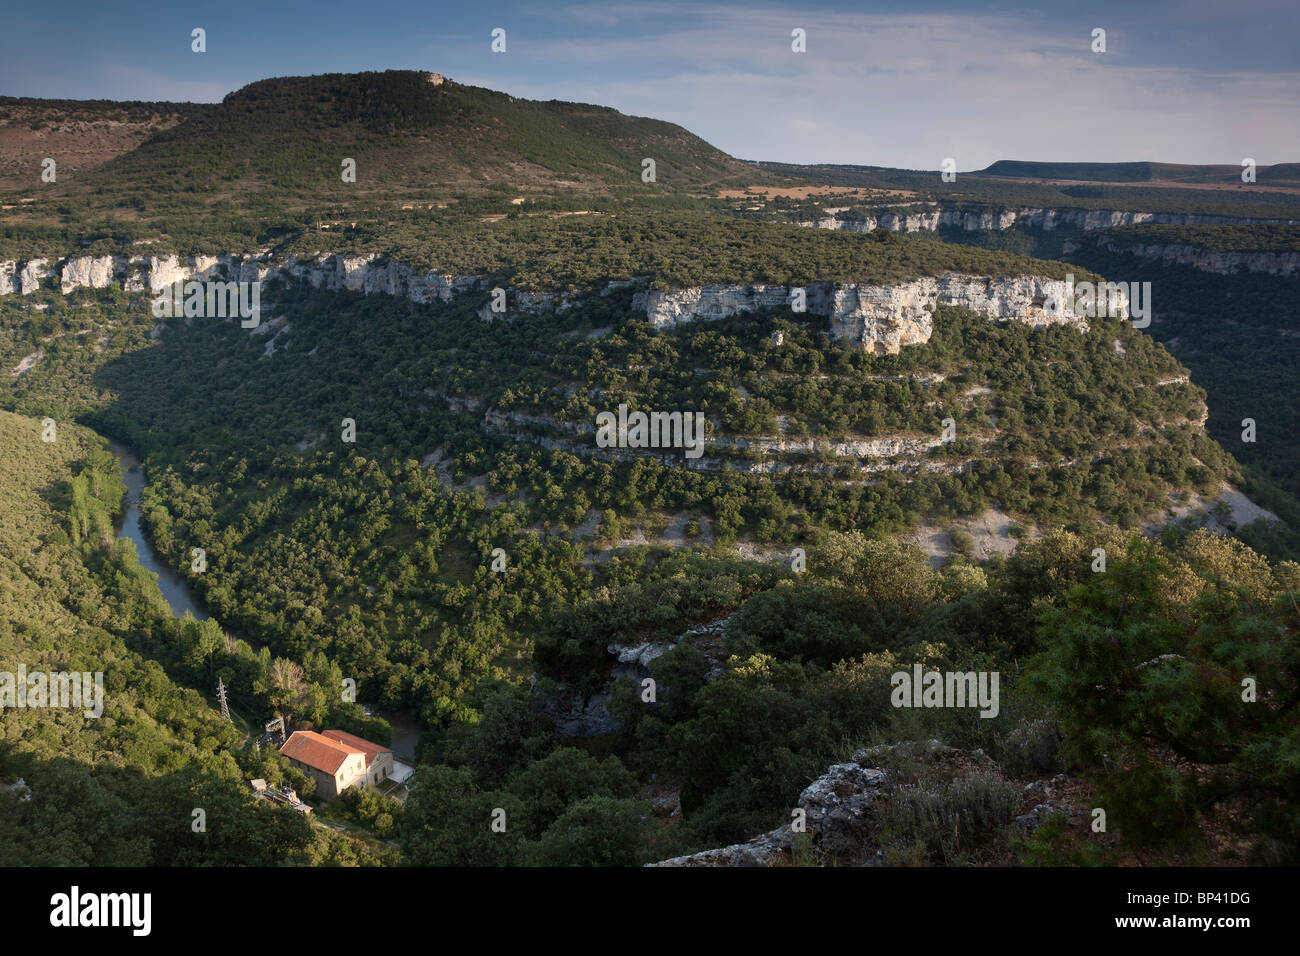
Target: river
x,y
174,587
176,590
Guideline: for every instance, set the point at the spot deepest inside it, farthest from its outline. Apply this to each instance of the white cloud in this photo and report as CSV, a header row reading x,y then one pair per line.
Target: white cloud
x,y
910,89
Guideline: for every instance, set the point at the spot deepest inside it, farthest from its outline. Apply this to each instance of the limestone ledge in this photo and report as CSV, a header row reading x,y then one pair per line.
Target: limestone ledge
x,y
1222,262
877,318
1030,216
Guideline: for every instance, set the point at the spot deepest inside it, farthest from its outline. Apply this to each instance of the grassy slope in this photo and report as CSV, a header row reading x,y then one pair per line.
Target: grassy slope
x,y
53,615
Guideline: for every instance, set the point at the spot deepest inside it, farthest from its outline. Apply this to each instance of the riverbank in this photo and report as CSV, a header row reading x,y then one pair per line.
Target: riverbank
x,y
181,598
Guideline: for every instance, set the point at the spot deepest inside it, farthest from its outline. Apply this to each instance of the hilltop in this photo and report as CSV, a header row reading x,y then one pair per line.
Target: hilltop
x,y
81,134
415,137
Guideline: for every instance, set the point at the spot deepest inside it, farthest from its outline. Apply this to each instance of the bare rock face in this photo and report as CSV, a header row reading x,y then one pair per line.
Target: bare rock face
x,y
94,272
574,714
977,220
32,274
8,277
878,318
665,309
353,271
860,448
1222,262
521,302
165,271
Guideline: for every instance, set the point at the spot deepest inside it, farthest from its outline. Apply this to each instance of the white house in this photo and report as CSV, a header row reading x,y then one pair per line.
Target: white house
x,y
337,760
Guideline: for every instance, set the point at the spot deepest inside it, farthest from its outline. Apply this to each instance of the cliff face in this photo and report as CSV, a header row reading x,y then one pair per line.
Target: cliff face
x,y
1034,218
1198,257
136,273
878,318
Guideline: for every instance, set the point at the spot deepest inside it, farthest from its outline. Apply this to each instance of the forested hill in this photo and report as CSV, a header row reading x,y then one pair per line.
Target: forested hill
x,y
115,782
412,134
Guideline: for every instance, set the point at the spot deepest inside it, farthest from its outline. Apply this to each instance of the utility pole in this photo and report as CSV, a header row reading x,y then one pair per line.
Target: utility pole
x,y
221,696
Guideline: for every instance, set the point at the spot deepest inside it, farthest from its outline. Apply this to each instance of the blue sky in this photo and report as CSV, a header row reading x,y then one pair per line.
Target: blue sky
x,y
888,84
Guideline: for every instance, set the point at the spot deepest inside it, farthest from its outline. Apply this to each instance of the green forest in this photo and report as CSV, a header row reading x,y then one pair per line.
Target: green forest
x,y
407,498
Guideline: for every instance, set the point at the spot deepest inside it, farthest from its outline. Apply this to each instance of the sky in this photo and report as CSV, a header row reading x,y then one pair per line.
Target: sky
x,y
884,84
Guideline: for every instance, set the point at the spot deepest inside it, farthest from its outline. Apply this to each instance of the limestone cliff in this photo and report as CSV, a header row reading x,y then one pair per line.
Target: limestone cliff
x,y
1047,220
1223,262
877,318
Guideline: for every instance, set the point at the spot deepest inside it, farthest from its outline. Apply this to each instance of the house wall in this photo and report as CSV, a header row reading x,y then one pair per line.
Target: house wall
x,y
382,769
328,786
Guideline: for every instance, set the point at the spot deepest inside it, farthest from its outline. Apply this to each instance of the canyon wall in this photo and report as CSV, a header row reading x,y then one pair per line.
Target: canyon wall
x,y
972,220
1223,262
877,318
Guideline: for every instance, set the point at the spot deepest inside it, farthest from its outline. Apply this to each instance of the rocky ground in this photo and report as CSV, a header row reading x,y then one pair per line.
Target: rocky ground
x,y
889,802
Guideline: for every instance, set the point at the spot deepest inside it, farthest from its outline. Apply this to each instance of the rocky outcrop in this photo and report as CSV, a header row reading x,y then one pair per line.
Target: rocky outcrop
x,y
878,318
842,808
634,659
93,271
531,303
898,453
29,280
860,449
976,220
1222,262
366,274
572,713
588,715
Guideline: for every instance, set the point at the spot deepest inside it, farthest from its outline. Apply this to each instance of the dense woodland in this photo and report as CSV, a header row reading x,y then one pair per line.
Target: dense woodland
x,y
120,790
1237,334
363,552
1186,771
371,560
540,249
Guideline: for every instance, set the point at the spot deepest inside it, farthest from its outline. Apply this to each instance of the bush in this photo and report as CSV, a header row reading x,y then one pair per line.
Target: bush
x,y
1031,748
598,831
946,823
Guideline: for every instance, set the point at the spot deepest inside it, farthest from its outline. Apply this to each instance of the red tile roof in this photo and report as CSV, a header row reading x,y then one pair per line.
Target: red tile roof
x,y
317,751
353,742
